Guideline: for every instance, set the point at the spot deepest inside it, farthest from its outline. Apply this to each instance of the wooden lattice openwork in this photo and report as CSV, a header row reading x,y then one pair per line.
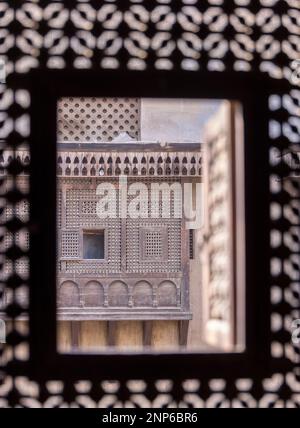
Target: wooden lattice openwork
x,y
116,115
140,249
236,39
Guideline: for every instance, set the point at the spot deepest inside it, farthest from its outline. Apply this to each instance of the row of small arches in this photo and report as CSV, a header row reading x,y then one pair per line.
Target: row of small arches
x,y
25,160
92,171
126,160
176,162
118,294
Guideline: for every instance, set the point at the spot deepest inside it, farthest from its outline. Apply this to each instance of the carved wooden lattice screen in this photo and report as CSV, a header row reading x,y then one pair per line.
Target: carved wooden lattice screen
x,y
148,260
223,246
116,115
217,247
236,37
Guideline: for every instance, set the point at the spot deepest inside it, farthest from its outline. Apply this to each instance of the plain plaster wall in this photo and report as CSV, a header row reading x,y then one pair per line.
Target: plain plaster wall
x,y
175,120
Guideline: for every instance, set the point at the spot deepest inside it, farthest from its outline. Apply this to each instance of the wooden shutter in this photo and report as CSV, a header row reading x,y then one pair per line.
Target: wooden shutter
x,y
219,249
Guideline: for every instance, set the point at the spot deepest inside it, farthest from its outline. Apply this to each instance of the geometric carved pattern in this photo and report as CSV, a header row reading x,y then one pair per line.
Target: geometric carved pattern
x,y
156,161
217,182
80,208
258,38
70,244
153,244
88,207
173,160
81,213
131,163
97,119
137,259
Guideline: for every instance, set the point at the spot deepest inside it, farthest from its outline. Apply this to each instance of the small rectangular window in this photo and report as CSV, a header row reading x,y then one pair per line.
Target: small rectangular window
x,y
93,245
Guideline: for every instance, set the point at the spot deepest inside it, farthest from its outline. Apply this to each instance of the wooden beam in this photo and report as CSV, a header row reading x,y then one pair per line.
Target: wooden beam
x,y
147,333
111,333
183,332
75,332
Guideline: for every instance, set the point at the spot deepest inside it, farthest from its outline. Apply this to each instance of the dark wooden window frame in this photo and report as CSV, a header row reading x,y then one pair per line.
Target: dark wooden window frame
x,y
95,231
46,88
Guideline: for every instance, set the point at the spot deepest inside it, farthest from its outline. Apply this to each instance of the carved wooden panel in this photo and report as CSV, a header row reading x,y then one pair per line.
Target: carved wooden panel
x,y
68,294
114,159
153,243
217,248
143,294
135,249
93,294
69,243
118,294
97,119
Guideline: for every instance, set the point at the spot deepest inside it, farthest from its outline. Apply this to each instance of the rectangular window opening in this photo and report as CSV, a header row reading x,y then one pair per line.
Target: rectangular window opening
x,y
93,245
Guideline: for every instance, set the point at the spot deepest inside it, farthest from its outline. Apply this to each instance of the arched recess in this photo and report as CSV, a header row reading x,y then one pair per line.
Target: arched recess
x,y
93,294
68,294
142,294
118,294
167,294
